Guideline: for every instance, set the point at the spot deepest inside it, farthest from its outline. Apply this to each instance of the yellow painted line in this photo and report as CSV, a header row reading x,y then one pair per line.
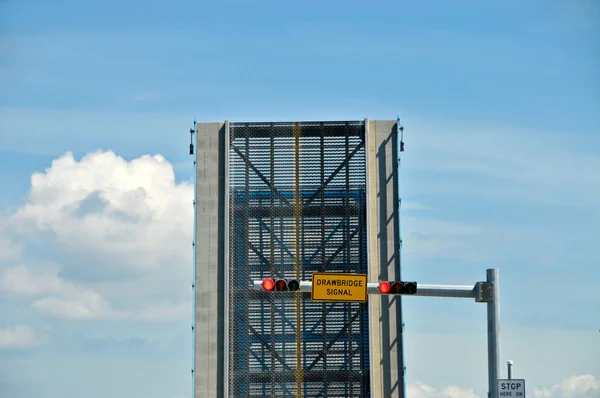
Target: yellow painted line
x,y
297,210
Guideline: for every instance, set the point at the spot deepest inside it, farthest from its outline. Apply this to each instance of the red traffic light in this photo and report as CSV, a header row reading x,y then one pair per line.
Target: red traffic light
x,y
280,285
268,284
394,287
384,287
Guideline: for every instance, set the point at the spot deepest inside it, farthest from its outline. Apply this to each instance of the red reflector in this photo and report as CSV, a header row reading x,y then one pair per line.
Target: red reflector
x,y
384,287
268,284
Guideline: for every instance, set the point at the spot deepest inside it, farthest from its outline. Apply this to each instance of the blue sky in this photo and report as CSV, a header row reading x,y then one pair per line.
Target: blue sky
x,y
500,101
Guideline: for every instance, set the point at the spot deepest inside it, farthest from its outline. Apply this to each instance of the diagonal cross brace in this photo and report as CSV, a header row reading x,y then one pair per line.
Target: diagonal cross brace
x,y
335,172
322,319
327,239
268,346
332,342
258,173
342,247
283,246
342,367
259,254
266,368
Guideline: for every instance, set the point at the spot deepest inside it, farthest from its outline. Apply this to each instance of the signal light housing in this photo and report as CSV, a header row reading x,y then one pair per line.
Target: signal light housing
x,y
281,285
409,288
397,288
394,287
293,285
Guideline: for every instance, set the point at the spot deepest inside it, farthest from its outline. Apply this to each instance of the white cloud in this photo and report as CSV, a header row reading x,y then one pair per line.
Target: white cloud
x,y
9,249
54,295
420,390
19,337
89,307
117,238
106,205
21,280
584,386
165,311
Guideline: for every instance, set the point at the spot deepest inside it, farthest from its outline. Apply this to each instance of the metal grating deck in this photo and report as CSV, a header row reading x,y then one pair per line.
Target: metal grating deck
x,y
297,195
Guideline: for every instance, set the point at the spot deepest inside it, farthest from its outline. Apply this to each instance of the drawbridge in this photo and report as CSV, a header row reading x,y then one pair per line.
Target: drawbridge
x,y
285,200
297,205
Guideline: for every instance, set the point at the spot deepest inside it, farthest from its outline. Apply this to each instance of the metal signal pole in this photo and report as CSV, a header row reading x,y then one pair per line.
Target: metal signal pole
x,y
483,292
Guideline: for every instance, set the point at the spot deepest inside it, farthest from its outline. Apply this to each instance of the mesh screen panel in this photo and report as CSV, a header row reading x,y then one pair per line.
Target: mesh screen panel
x,y
297,206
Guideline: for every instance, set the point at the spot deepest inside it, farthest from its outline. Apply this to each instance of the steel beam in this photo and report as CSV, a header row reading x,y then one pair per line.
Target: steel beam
x,y
422,290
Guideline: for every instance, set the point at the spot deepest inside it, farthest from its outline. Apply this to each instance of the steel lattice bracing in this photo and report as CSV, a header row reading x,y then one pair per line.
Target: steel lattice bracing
x,y
297,206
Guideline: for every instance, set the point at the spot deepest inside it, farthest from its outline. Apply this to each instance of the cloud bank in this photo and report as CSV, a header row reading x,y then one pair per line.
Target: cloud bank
x,y
115,238
20,337
420,390
584,386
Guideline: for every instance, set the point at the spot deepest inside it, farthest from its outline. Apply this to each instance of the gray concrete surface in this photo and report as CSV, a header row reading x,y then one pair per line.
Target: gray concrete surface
x,y
210,254
385,312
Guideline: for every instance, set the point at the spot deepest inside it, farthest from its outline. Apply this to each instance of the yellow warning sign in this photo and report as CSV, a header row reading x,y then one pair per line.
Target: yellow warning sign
x,y
329,286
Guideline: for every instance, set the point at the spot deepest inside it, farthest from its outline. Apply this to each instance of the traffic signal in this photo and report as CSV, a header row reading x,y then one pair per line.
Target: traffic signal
x,y
268,284
386,287
281,285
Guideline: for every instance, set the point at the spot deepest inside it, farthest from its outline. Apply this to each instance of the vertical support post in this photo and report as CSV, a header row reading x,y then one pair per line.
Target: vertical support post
x,y
375,267
297,210
399,150
211,300
224,283
493,330
192,132
510,365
